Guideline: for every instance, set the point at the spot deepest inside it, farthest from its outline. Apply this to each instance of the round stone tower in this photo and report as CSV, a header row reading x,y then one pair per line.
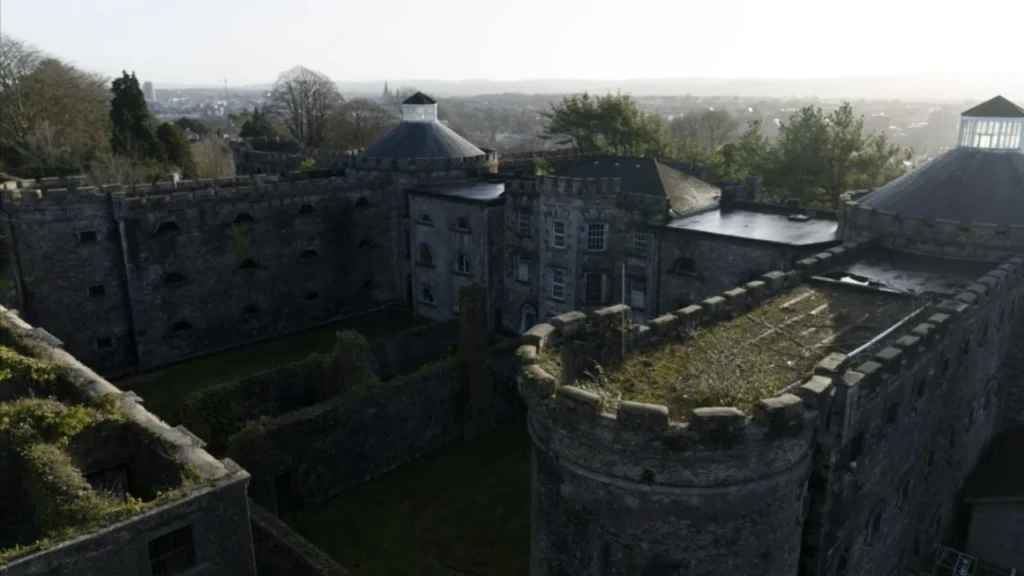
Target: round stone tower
x,y
630,493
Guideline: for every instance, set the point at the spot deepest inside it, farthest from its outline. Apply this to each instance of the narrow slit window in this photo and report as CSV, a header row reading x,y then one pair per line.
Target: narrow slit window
x,y
174,278
88,237
306,209
248,264
243,218
362,202
309,253
167,226
97,291
180,326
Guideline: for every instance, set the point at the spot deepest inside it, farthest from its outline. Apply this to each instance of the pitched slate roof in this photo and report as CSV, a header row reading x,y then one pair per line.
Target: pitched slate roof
x,y
997,107
1000,474
421,140
419,98
648,176
965,184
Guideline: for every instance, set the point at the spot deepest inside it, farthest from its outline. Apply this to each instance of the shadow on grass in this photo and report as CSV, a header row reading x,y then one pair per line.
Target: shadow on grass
x,y
163,390
463,510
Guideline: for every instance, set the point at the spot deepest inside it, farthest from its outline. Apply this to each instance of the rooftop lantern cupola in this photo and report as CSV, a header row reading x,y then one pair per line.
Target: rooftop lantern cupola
x,y
419,108
997,124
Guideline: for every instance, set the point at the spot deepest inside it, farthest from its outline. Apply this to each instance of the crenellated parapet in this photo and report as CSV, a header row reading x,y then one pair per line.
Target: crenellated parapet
x,y
565,187
720,485
272,162
958,239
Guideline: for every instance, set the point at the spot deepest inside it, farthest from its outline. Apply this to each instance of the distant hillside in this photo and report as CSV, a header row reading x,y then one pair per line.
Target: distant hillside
x,y
910,87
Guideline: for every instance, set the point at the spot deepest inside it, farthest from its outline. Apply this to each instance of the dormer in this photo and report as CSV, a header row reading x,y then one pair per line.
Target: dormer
x,y
997,124
419,108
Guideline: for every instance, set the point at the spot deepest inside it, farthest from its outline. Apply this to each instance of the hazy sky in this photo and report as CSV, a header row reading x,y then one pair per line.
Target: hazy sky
x,y
250,41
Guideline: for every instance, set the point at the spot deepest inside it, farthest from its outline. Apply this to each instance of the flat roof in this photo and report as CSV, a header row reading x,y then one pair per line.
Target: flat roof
x,y
753,356
763,226
473,191
912,273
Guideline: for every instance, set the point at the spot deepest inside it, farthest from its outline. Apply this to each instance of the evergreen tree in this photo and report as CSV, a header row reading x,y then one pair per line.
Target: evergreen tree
x,y
132,131
176,148
258,125
609,124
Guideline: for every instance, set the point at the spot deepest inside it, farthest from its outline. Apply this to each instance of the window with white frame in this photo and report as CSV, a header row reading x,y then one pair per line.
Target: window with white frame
x,y
596,234
524,221
641,242
523,267
557,234
595,287
637,287
558,283
462,264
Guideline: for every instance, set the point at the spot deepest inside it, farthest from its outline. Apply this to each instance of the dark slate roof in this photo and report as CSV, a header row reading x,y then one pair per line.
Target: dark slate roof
x,y
648,176
419,98
421,140
913,273
761,226
1000,474
965,184
997,107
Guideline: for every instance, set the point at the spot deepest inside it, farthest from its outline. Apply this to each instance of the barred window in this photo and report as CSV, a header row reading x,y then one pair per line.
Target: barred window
x,y
596,237
558,283
558,234
641,242
523,268
525,222
173,552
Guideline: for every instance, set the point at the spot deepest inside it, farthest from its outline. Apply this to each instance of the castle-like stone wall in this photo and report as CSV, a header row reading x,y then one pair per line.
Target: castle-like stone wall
x,y
139,278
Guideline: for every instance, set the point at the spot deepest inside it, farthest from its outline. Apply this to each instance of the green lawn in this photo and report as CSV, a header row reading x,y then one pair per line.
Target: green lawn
x,y
463,510
164,389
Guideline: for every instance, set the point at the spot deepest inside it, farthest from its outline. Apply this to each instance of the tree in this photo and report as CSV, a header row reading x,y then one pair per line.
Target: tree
x,y
213,158
53,116
258,125
176,148
360,122
700,136
305,101
751,154
132,132
801,153
609,124
192,124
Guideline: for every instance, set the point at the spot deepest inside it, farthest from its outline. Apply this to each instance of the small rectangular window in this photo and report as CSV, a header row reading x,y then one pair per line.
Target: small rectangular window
x,y
558,284
596,288
311,296
462,264
523,268
637,286
557,234
524,222
173,552
596,234
426,295
97,291
88,237
893,414
641,242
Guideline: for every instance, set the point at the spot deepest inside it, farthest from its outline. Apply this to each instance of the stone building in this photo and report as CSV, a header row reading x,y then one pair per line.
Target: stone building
x,y
821,420
93,484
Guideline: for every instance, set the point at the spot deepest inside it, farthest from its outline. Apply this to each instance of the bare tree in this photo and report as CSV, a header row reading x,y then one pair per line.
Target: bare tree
x,y
51,113
360,122
701,134
214,158
305,102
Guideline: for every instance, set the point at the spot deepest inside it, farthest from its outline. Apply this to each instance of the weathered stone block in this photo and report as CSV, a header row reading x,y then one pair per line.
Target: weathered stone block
x,y
953,307
832,364
908,342
756,291
527,354
779,413
643,335
736,300
580,402
663,324
793,278
535,382
714,306
642,417
872,372
538,336
569,323
610,313
807,266
891,359
815,392
775,280
838,253
718,424
966,297
689,317
926,332
825,261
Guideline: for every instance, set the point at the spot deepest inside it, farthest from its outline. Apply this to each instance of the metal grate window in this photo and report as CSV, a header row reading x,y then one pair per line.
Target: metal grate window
x,y
525,222
558,283
558,234
173,552
641,242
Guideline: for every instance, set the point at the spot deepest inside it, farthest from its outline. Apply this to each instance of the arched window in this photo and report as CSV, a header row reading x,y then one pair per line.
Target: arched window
x,y
527,317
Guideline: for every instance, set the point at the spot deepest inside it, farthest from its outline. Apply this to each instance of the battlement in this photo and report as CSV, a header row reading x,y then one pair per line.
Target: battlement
x,y
182,193
323,158
558,185
958,238
560,355
517,157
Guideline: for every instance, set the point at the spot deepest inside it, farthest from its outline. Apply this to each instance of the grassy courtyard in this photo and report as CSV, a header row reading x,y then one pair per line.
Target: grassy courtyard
x,y
164,389
464,510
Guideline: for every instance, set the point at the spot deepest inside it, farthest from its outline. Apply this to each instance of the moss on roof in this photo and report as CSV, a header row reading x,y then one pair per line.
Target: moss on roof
x,y
754,356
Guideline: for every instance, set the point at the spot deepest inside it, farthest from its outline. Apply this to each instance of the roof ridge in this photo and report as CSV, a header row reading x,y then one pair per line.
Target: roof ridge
x,y
997,107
